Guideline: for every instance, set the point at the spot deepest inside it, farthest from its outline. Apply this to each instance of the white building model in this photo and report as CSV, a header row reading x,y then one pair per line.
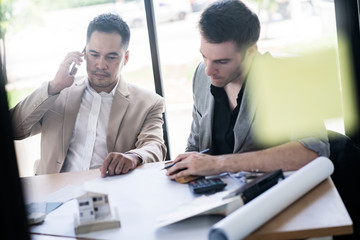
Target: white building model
x,y
94,213
93,206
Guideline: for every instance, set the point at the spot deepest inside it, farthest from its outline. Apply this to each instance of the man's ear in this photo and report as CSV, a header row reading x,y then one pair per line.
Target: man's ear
x,y
84,52
126,58
249,56
252,50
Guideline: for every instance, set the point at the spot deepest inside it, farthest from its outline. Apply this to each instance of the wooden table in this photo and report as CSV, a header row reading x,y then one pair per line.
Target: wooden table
x,y
320,212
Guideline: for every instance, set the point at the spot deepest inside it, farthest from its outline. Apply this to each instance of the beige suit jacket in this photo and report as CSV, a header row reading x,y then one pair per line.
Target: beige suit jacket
x,y
135,123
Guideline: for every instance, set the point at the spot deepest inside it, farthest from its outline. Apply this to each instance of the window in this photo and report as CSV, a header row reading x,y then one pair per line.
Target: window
x,y
84,204
43,32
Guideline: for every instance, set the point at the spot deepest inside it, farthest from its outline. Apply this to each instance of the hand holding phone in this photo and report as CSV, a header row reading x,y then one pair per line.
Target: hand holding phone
x,y
74,69
65,78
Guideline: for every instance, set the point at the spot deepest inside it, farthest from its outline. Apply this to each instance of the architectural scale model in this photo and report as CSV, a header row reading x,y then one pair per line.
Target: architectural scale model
x,y
94,213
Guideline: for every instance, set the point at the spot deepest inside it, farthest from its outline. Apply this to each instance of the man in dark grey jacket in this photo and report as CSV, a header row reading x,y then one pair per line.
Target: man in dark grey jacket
x,y
223,117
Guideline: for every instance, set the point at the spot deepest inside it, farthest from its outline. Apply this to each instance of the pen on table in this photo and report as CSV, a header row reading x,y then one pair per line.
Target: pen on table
x,y
170,165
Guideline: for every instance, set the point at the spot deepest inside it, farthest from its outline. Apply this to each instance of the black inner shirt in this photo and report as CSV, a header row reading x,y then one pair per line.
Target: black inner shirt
x,y
224,121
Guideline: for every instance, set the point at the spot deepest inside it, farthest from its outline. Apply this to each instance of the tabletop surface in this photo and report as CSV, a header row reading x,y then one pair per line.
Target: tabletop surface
x,y
148,193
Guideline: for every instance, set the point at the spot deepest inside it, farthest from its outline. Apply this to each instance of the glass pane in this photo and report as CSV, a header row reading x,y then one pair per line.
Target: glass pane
x,y
42,32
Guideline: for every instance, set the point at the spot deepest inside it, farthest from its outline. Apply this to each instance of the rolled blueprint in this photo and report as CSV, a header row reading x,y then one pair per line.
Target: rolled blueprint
x,y
271,202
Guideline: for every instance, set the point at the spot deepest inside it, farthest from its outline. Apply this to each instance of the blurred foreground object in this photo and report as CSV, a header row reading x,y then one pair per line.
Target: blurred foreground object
x,y
296,94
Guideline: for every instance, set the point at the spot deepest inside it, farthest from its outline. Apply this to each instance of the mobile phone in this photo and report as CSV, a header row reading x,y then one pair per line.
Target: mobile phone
x,y
73,69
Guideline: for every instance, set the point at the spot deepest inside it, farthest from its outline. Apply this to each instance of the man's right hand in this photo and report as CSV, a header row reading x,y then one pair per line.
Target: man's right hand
x,y
194,163
63,79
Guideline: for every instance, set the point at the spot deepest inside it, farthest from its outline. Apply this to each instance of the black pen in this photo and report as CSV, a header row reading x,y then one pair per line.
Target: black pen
x,y
170,165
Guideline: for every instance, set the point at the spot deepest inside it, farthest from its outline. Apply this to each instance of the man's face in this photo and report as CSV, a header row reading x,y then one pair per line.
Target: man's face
x,y
223,62
104,60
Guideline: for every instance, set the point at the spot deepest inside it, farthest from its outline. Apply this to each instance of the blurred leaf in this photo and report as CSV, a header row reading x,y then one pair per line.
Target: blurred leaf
x,y
296,94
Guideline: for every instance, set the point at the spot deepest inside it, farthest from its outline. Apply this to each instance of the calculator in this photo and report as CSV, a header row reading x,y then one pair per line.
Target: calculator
x,y
206,185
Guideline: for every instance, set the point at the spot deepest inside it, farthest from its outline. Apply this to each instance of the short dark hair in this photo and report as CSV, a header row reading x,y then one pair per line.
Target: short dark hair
x,y
110,23
230,20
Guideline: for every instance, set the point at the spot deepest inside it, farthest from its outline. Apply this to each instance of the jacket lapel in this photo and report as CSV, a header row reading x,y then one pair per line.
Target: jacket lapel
x,y
207,120
117,113
243,124
72,106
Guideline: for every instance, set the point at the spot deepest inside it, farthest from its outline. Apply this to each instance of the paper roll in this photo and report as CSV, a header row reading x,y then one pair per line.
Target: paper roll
x,y
271,202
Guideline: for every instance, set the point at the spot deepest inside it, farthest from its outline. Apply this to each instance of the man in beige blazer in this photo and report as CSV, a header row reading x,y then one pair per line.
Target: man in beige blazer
x,y
98,120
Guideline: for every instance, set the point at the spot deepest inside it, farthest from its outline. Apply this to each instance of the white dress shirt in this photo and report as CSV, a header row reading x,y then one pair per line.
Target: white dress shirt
x,y
87,147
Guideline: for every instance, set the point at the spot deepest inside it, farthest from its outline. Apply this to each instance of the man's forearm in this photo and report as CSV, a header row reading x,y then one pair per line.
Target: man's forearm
x,y
289,156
